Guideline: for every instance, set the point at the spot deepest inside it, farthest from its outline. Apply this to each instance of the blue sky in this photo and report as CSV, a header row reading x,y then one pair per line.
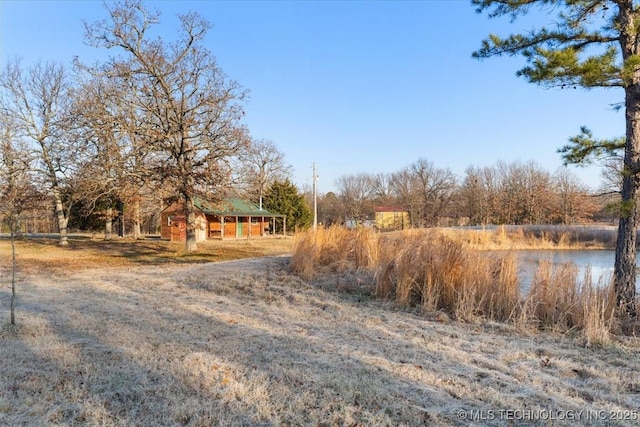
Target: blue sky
x,y
357,86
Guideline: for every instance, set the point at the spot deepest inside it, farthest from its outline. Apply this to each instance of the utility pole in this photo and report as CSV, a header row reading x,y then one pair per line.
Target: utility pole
x,y
315,198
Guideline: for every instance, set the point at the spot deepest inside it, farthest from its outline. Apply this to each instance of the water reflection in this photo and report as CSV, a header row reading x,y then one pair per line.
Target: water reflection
x,y
599,261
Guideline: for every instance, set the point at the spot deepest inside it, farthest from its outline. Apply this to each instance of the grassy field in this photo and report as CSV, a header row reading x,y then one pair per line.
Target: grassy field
x,y
85,252
118,335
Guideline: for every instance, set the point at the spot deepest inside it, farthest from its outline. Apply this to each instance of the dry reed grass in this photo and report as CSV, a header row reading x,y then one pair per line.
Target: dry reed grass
x,y
534,237
333,249
438,270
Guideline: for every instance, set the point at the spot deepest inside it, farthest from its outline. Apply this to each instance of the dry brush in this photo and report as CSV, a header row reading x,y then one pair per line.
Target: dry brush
x,y
441,271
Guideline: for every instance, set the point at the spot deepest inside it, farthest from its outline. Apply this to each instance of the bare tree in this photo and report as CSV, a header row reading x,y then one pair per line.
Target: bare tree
x,y
403,187
575,204
110,123
425,191
435,188
263,164
473,196
382,190
355,192
191,108
330,209
37,102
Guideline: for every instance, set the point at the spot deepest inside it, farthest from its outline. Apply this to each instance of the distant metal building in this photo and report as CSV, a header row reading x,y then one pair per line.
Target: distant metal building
x,y
390,218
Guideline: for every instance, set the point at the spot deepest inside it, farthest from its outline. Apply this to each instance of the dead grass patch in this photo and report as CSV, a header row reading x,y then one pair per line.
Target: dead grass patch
x,y
40,253
533,237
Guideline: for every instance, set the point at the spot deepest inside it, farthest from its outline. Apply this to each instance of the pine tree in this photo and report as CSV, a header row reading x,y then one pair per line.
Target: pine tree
x,y
588,44
283,197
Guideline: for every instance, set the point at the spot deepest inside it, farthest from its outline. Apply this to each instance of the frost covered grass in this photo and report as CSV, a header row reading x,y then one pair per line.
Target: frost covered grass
x,y
112,339
83,251
248,343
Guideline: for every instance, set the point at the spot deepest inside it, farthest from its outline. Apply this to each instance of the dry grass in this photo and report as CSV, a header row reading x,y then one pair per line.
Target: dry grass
x,y
432,271
533,237
334,249
84,252
247,343
439,270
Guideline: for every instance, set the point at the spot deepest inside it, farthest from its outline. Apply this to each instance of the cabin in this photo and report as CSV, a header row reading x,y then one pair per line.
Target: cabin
x,y
390,218
228,219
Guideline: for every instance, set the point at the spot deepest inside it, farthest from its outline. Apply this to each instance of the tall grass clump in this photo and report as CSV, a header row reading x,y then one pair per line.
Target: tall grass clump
x,y
334,249
598,312
559,301
438,273
553,299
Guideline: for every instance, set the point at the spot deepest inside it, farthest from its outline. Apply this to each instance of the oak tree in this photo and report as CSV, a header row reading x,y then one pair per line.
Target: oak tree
x,y
192,110
356,193
262,164
37,101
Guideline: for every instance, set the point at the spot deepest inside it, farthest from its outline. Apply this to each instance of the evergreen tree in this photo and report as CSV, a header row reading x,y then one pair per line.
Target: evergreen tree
x,y
283,198
589,43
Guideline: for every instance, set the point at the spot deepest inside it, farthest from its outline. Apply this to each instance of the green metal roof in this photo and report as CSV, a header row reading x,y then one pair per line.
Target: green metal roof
x,y
232,207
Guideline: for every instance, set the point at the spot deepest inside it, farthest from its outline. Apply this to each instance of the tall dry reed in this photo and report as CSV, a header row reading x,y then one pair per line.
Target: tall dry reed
x,y
555,296
559,301
440,271
598,312
334,248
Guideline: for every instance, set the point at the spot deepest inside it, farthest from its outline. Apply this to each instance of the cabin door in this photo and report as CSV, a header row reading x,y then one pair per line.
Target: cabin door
x,y
239,228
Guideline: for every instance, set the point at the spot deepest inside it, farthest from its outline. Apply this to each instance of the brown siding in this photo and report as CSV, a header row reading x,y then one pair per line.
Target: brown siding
x,y
165,230
258,229
177,229
214,227
209,226
230,227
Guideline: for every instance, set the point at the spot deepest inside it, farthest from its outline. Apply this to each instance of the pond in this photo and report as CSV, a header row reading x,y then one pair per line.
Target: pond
x,y
599,261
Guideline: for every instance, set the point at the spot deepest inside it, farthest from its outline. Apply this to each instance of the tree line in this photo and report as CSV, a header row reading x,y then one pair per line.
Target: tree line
x,y
506,193
159,120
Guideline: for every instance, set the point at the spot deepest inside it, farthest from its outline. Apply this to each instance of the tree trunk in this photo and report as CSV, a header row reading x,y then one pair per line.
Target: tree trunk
x,y
14,267
121,223
625,261
191,243
62,220
108,226
624,274
136,219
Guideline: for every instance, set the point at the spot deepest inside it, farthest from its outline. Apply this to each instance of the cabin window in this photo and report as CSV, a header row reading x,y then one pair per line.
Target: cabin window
x,y
254,221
